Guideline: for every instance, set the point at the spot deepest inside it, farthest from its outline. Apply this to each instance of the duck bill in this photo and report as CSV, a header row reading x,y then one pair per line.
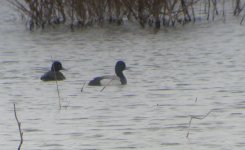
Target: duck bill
x,y
127,68
63,68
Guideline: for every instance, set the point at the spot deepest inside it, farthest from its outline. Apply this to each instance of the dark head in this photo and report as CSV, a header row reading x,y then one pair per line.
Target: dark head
x,y
120,66
57,66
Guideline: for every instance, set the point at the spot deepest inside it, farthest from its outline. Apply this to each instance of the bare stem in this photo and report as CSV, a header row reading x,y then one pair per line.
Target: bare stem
x,y
107,84
19,126
242,19
196,117
57,85
58,91
199,118
83,86
189,127
86,13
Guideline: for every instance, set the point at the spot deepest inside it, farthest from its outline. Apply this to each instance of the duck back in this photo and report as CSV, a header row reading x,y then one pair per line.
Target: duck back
x,y
52,76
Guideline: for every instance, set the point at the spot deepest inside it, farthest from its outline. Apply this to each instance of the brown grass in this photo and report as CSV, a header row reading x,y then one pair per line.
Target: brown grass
x,y
155,13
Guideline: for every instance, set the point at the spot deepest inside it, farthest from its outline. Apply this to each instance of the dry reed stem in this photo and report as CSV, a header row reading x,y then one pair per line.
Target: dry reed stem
x,y
58,91
83,86
107,84
57,85
196,117
19,126
82,13
199,118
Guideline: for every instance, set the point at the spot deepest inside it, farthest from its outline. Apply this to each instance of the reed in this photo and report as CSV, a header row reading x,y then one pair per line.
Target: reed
x,y
57,85
153,13
83,86
108,83
198,118
19,127
58,91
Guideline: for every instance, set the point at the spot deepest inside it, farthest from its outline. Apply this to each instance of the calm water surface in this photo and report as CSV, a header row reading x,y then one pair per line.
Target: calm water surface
x,y
168,71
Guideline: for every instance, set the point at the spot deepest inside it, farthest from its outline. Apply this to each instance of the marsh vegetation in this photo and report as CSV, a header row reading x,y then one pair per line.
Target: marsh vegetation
x,y
153,13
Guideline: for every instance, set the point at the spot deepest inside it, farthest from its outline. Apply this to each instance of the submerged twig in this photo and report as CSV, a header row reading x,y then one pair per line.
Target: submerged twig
x,y
196,117
19,126
83,86
107,84
187,135
58,91
242,19
201,117
57,86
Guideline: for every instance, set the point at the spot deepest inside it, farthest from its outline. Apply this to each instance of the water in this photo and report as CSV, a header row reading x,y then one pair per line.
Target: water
x,y
168,71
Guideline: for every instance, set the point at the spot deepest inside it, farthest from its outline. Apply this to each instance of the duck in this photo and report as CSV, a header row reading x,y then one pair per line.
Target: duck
x,y
119,68
54,74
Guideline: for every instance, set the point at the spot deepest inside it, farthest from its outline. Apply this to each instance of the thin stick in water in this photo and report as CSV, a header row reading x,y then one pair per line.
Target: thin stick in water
x,y
83,86
196,117
242,19
189,128
107,84
19,126
58,91
57,86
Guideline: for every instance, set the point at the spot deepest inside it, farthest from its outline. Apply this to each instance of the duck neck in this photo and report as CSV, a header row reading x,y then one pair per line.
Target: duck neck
x,y
122,77
54,70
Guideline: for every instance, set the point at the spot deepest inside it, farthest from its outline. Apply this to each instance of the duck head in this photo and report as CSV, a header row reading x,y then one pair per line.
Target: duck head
x,y
119,68
57,66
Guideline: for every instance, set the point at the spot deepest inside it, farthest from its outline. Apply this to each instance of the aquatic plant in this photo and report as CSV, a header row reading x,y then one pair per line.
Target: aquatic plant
x,y
198,118
19,127
153,13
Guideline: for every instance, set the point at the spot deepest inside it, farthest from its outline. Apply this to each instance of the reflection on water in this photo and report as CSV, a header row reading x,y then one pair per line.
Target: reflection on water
x,y
168,70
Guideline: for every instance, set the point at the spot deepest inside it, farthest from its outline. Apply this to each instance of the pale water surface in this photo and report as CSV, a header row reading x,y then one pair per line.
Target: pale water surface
x,y
168,71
